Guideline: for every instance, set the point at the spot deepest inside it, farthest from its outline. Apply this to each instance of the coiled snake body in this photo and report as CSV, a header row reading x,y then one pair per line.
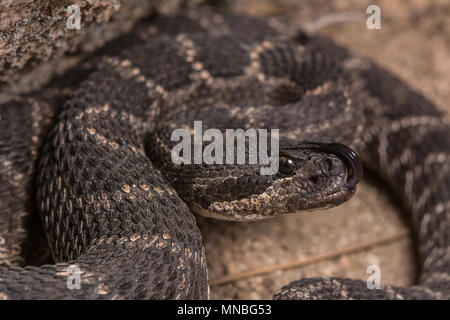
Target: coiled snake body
x,y
98,170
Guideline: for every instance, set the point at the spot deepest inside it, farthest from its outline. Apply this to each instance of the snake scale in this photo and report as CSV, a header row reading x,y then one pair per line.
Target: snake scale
x,y
90,154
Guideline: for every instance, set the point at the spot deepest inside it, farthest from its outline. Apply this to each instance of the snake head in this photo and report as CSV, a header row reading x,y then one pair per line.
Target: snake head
x,y
310,176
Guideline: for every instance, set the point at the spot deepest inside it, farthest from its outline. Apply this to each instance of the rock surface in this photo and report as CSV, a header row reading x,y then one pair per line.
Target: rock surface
x,y
37,36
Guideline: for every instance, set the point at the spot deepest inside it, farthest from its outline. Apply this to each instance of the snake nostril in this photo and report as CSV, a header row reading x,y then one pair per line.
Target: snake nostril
x,y
347,155
350,158
333,165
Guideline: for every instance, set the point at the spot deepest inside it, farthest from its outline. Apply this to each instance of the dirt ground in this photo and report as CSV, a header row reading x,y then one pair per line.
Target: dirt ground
x,y
414,44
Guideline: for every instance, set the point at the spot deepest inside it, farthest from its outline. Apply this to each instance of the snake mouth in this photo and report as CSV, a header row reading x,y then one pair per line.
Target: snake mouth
x,y
348,156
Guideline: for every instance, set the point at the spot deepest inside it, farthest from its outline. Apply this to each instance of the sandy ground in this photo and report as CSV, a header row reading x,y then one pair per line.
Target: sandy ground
x,y
414,44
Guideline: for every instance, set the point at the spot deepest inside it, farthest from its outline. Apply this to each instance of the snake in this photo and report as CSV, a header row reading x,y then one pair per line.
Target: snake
x,y
89,155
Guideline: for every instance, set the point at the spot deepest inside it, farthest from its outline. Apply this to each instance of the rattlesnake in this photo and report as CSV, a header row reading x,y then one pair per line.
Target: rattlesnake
x,y
91,154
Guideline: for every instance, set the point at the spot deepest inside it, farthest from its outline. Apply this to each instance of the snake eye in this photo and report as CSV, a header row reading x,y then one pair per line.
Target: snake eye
x,y
287,166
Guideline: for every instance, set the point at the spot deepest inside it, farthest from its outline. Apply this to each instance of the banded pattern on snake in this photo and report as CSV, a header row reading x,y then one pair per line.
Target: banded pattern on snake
x,y
96,166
